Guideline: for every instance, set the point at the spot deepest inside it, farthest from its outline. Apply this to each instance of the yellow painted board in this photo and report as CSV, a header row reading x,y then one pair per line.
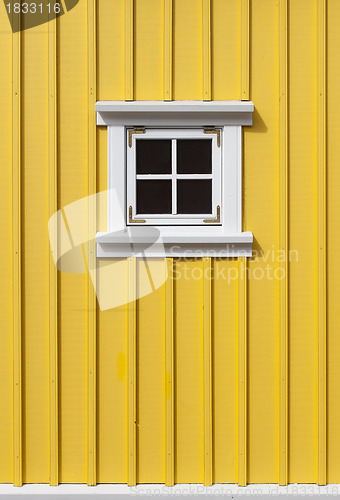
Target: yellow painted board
x,y
101,181
206,49
111,353
53,277
17,256
224,370
283,219
245,49
242,391
150,372
278,221
6,300
129,52
148,50
112,379
188,372
333,221
226,50
91,255
169,371
261,218
207,373
35,265
322,241
303,239
132,372
72,166
187,50
110,50
168,42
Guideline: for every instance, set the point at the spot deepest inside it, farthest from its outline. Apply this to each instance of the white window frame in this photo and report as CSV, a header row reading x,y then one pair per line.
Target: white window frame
x,y
226,238
215,177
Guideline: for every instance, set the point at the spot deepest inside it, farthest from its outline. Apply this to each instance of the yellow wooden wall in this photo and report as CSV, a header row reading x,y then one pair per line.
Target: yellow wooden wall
x,y
245,389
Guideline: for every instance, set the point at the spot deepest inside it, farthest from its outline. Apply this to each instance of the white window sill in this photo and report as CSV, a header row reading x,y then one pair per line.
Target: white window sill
x,y
137,242
174,113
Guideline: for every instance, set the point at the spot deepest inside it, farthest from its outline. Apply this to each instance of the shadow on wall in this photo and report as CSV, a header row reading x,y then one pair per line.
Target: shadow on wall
x,y
258,124
257,250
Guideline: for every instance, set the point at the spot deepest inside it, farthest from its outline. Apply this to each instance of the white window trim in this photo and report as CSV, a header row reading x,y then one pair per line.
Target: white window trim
x,y
225,240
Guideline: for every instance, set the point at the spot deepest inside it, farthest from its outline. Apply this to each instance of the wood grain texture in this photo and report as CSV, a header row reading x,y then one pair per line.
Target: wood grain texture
x,y
242,372
283,243
322,244
16,221
53,277
207,372
275,347
6,253
245,41
206,36
91,250
168,63
129,50
169,373
131,373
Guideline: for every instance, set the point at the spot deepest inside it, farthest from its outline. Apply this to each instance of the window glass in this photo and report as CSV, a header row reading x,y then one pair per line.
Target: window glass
x,y
194,156
154,197
153,156
194,196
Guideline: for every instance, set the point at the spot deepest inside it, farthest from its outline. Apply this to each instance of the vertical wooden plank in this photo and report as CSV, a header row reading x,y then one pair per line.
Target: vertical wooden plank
x,y
245,49
242,372
168,7
35,265
131,369
262,300
283,244
129,94
333,241
302,394
242,280
16,159
73,297
322,240
92,300
169,373
224,311
6,256
187,50
207,378
206,49
111,373
226,53
148,50
188,366
150,373
111,47
53,281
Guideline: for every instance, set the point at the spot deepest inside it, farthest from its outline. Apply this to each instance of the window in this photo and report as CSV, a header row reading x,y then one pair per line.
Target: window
x,y
174,176
174,170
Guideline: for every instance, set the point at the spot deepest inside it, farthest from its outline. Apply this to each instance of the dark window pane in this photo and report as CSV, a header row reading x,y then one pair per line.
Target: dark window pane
x,y
154,197
194,156
194,197
153,156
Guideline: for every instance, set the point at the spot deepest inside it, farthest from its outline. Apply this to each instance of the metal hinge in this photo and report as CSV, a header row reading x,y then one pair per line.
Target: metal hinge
x,y
134,221
217,131
218,217
137,130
